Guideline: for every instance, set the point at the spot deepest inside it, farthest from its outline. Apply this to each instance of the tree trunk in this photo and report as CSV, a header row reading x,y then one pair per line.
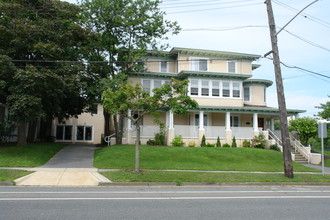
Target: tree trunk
x,y
21,135
32,131
137,148
119,126
107,118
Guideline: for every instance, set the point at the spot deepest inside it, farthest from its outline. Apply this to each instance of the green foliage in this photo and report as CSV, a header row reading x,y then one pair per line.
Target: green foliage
x,y
192,144
6,130
151,142
177,141
305,127
210,145
218,144
246,143
259,141
274,147
226,145
234,144
325,113
277,125
203,142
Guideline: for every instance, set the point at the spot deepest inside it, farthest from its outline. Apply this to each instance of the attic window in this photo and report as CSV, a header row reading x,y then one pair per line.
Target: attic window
x,y
198,64
163,66
231,67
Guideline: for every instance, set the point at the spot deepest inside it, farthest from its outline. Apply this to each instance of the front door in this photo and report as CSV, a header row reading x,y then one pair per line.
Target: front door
x,y
261,123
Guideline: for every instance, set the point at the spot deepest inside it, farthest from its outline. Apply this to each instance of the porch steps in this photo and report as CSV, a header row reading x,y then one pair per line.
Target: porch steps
x,y
298,157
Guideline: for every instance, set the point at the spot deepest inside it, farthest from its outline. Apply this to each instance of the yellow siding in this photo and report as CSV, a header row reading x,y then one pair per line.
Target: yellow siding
x,y
257,96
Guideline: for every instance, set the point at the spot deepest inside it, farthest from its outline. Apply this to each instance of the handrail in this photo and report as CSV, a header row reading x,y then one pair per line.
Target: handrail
x,y
298,146
107,139
275,138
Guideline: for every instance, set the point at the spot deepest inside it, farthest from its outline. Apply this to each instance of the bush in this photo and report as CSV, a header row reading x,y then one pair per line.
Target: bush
x,y
160,138
246,143
226,145
259,141
191,144
203,143
210,145
234,144
218,144
151,142
177,141
274,147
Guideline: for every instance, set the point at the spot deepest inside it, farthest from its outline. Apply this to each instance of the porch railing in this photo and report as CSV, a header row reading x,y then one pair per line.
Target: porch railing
x,y
242,132
146,131
215,131
186,131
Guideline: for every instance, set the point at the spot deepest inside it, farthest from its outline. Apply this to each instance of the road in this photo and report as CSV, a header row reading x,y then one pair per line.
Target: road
x,y
164,203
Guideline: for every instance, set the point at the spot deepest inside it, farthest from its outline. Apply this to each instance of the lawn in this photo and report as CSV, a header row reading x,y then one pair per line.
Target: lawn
x,y
178,177
31,155
11,175
184,158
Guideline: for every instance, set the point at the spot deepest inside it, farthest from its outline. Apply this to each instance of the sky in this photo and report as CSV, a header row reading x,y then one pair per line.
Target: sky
x,y
242,26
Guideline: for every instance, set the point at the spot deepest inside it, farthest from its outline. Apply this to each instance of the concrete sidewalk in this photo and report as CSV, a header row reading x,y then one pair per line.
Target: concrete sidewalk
x,y
72,166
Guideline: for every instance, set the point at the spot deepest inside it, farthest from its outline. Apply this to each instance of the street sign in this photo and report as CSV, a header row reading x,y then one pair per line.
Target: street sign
x,y
322,128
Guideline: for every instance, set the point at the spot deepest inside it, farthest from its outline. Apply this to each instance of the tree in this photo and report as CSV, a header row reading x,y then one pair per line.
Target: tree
x,y
133,97
127,29
325,113
306,128
42,47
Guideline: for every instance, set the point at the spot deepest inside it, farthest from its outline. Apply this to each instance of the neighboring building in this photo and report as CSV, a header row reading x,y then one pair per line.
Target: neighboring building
x,y
231,102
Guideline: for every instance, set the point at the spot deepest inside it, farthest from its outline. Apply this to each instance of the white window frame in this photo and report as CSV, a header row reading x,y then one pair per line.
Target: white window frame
x,y
229,87
193,65
228,69
206,88
239,87
143,82
190,86
205,122
219,88
84,134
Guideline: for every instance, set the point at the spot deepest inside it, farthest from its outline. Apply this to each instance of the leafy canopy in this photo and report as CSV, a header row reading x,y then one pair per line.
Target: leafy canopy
x,y
306,128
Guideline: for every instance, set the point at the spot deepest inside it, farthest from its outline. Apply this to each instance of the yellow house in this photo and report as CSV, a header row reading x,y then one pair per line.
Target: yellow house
x,y
231,102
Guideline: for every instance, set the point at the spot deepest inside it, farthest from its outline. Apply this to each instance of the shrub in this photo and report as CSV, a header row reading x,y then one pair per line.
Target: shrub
x,y
259,141
160,138
218,144
203,143
177,141
246,143
226,145
274,147
234,144
151,142
210,145
191,144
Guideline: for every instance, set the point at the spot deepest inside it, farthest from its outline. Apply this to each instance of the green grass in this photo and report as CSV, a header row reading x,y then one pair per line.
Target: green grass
x,y
178,177
31,155
176,158
11,175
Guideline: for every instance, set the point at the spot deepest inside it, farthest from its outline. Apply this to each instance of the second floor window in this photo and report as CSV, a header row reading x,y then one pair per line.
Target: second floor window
x,y
198,64
205,88
236,89
146,85
150,84
194,87
247,94
215,88
225,89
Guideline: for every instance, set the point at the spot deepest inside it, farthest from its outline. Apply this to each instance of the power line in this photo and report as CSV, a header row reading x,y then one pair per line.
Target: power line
x,y
199,4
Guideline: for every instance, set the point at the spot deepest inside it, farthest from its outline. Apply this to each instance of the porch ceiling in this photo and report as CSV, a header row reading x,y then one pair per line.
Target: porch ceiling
x,y
261,110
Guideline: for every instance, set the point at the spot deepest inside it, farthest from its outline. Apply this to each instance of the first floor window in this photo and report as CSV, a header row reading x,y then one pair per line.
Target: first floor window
x,y
157,83
234,121
197,120
84,133
64,132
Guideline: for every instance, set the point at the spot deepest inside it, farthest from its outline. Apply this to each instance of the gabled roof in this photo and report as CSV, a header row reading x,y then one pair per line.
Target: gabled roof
x,y
213,54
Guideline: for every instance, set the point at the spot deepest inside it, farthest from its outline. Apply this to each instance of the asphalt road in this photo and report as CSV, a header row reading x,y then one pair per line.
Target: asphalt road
x,y
164,203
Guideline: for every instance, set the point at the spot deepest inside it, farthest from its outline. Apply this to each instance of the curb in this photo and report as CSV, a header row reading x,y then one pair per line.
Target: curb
x,y
214,184
7,183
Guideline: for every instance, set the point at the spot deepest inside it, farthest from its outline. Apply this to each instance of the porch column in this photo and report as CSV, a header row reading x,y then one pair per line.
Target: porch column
x,y
255,124
201,130
129,127
229,133
272,127
170,131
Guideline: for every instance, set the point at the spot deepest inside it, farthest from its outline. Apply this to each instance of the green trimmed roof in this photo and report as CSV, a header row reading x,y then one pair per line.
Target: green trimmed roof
x,y
261,110
265,82
214,54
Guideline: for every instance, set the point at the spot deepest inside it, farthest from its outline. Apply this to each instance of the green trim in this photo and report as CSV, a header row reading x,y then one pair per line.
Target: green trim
x,y
154,75
213,53
262,110
204,74
255,66
264,82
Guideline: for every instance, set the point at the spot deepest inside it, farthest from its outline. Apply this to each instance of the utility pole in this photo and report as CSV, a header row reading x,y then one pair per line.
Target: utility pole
x,y
288,168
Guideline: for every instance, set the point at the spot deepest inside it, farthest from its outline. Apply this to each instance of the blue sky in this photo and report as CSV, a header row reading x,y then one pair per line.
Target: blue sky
x,y
242,26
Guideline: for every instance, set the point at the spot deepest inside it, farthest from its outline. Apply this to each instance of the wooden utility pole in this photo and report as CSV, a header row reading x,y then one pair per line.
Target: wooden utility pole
x,y
288,169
